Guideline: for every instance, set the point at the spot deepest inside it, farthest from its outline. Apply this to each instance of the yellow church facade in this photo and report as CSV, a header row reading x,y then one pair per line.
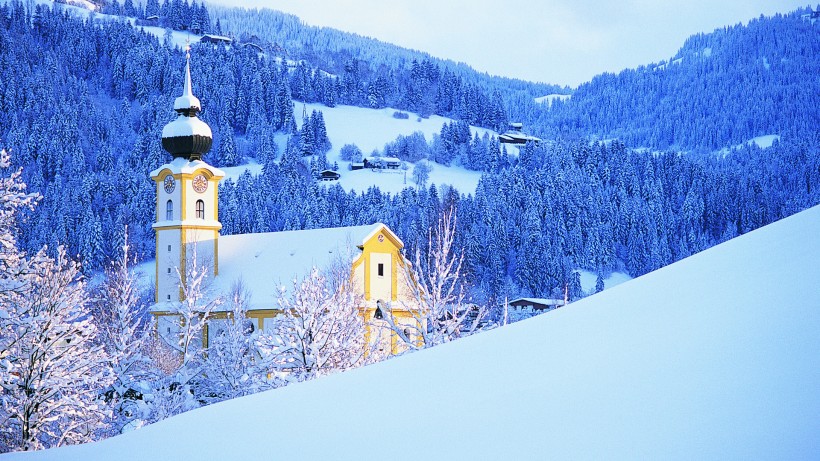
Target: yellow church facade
x,y
187,230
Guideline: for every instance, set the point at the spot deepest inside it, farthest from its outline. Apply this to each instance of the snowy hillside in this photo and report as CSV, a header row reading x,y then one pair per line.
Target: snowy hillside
x,y
713,357
371,129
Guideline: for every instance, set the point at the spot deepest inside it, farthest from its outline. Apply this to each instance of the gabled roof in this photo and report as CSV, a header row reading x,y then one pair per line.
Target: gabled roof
x,y
543,301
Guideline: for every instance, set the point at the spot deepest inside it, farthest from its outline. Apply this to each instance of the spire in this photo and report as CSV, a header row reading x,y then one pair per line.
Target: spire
x,y
187,136
187,102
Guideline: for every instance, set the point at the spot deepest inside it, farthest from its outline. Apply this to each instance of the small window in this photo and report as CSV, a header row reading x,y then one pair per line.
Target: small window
x,y
169,297
169,210
169,248
169,270
408,333
378,314
381,270
200,209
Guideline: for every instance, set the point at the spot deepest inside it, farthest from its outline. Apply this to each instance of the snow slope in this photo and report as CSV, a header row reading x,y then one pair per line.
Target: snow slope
x,y
548,99
371,129
713,357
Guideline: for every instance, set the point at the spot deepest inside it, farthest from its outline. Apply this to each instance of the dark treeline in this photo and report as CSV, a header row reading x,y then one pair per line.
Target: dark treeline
x,y
82,104
600,207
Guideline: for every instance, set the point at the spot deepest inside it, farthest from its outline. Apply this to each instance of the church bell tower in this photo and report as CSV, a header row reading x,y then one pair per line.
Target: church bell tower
x,y
187,225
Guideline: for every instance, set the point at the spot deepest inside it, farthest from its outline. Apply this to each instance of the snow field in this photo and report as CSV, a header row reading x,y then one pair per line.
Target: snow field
x,y
713,357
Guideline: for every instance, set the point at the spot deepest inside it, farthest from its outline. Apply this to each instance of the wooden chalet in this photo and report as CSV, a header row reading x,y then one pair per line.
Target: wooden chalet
x,y
536,304
515,135
382,162
216,39
329,175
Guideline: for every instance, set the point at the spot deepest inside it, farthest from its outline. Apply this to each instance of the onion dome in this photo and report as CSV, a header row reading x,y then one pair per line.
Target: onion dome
x,y
187,136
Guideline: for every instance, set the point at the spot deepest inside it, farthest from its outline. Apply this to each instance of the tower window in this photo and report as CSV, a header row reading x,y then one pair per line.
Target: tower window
x,y
200,209
169,248
380,270
169,210
169,270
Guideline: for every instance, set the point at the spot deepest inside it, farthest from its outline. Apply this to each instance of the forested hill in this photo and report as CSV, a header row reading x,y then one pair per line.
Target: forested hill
x,y
719,90
83,101
333,51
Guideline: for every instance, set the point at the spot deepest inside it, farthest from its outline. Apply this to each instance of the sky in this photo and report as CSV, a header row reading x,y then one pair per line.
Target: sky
x,y
564,42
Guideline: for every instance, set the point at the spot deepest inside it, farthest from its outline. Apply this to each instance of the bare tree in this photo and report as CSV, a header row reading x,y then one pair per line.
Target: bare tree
x,y
320,330
119,313
51,369
177,392
436,290
236,365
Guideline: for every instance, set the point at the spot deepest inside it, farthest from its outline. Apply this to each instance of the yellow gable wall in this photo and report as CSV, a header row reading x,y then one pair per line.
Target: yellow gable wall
x,y
388,244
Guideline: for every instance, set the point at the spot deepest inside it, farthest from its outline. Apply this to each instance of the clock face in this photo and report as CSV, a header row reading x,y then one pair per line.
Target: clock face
x,y
200,184
169,184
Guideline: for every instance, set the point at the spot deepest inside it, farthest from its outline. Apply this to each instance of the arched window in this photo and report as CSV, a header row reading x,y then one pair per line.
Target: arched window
x,y
169,210
200,209
378,314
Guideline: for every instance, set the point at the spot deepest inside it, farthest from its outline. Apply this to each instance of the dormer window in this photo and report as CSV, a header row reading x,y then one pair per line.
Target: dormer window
x,y
169,210
200,209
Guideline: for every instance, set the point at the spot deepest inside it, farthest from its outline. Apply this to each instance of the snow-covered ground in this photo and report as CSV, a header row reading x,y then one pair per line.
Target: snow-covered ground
x,y
548,99
371,129
588,280
763,142
713,357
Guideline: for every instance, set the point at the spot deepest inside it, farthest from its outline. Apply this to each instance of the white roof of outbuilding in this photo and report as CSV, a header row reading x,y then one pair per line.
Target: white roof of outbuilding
x,y
545,301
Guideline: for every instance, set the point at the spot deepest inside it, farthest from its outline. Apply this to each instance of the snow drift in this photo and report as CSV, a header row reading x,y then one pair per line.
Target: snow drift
x,y
714,357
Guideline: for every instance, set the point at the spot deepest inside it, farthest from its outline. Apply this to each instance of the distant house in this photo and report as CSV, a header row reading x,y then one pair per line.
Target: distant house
x,y
216,39
356,166
537,304
382,162
515,135
329,175
254,45
153,18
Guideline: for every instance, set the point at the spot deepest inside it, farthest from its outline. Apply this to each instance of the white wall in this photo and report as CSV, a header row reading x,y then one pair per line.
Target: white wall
x,y
381,287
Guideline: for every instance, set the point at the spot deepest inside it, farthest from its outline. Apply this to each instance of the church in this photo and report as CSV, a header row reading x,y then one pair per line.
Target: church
x,y
187,232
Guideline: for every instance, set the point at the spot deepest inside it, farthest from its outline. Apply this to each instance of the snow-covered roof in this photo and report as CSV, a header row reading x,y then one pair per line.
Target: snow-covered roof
x,y
216,37
544,301
267,261
184,166
186,126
